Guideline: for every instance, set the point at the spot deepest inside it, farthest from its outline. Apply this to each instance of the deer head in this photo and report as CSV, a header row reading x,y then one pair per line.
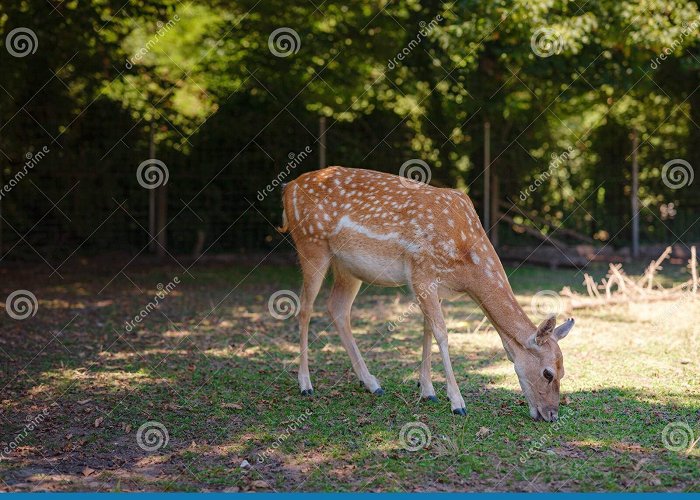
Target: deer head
x,y
540,366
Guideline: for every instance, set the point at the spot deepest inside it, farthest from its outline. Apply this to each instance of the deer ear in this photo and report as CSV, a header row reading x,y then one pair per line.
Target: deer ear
x,y
545,330
563,330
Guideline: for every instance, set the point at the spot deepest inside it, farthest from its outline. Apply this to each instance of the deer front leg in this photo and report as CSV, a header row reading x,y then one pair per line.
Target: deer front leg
x,y
426,384
430,305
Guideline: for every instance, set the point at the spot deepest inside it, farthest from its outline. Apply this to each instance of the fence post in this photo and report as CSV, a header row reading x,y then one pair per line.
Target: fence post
x,y
634,195
1,184
495,196
694,268
322,142
162,219
487,175
152,196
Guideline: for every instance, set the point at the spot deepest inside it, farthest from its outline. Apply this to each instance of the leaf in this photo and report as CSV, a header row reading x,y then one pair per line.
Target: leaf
x,y
98,421
483,432
84,401
87,471
259,483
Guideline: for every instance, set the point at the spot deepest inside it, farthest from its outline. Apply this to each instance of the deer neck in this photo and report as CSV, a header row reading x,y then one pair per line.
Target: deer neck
x,y
495,297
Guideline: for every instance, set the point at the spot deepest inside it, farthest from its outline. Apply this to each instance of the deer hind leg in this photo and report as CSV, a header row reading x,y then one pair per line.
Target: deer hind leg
x,y
430,305
314,264
345,288
426,384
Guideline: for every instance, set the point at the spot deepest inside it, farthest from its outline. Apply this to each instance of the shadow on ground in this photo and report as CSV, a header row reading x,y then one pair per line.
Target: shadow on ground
x,y
218,374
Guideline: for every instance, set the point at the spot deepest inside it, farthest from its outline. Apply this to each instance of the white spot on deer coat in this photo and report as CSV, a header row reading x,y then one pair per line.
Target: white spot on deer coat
x,y
475,257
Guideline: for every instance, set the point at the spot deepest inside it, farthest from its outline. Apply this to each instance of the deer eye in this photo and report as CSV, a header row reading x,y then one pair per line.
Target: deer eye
x,y
548,375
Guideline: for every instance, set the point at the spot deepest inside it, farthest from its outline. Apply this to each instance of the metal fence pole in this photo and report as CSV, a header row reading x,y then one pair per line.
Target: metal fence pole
x,y
634,195
487,175
152,196
322,142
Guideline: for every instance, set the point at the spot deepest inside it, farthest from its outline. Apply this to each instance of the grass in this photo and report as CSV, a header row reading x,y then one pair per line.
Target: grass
x,y
219,373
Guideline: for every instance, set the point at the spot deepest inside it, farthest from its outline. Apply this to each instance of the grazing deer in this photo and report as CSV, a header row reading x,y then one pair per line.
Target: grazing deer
x,y
389,230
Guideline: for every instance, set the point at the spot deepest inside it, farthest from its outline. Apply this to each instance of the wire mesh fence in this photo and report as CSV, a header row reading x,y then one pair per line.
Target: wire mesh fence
x,y
82,195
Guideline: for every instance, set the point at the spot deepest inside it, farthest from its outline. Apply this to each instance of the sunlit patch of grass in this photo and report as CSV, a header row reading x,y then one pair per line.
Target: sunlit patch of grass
x,y
220,373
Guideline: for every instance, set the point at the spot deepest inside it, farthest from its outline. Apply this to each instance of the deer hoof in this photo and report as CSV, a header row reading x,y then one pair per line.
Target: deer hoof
x,y
460,411
379,392
307,392
431,399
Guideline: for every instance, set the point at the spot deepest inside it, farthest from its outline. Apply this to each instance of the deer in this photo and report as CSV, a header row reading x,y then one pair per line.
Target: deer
x,y
392,230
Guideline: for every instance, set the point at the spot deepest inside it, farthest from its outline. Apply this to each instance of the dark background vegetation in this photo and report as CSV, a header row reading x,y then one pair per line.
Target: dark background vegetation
x,y
224,113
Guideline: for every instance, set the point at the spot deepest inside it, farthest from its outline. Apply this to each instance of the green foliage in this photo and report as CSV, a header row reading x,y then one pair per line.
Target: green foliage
x,y
400,79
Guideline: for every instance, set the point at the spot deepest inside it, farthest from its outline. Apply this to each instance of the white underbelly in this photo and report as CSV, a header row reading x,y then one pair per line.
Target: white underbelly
x,y
386,270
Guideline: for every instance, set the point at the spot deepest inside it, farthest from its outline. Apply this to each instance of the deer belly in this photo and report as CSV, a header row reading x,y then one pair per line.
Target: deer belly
x,y
386,270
